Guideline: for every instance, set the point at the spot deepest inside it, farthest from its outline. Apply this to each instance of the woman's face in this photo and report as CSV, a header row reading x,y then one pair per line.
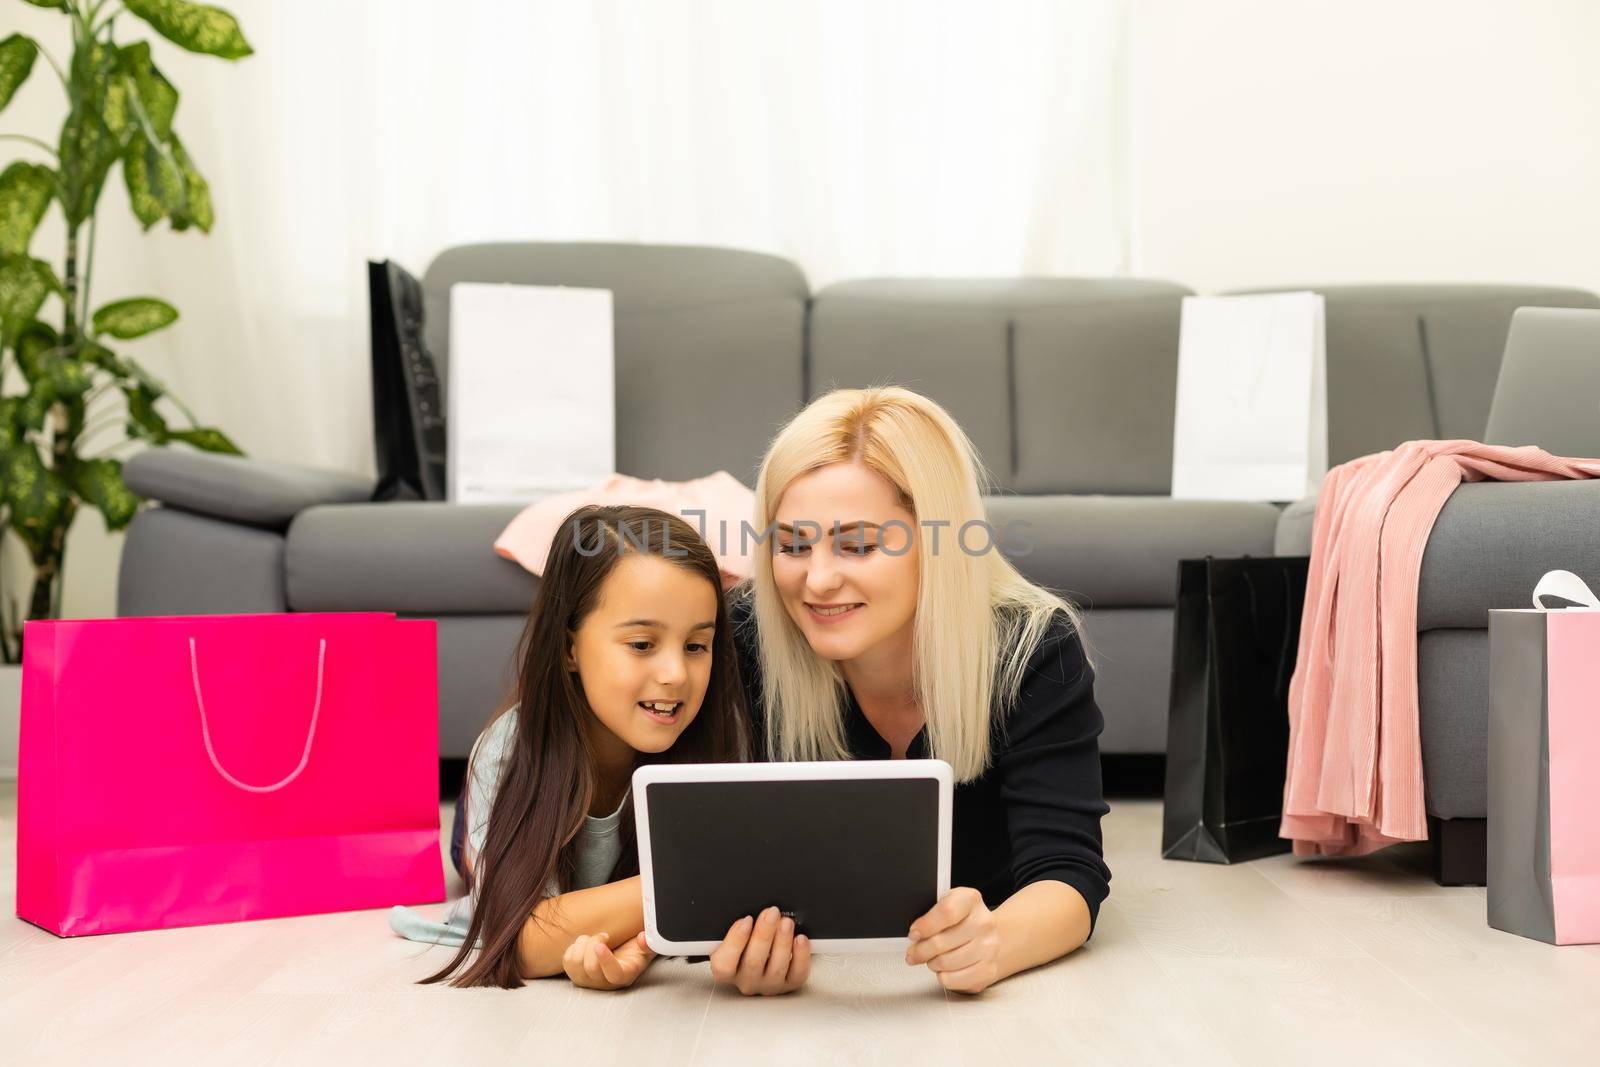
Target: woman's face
x,y
643,654
845,559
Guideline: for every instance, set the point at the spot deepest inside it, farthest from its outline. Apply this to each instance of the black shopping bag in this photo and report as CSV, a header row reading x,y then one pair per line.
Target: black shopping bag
x,y
1233,651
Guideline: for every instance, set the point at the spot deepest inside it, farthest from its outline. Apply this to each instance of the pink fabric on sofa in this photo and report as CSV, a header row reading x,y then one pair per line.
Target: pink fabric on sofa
x,y
1355,754
727,504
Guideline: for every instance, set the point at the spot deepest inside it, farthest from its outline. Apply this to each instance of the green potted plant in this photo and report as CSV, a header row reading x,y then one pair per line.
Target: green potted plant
x,y
69,399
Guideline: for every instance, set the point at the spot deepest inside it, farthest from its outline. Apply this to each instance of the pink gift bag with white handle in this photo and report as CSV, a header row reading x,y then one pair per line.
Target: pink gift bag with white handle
x,y
184,770
1544,765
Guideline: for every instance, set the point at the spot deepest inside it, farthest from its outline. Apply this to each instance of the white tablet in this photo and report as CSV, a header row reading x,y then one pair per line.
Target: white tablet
x,y
854,851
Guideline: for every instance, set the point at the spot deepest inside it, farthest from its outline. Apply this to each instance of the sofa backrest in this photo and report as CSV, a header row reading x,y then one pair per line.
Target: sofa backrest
x,y
1065,385
1410,362
709,342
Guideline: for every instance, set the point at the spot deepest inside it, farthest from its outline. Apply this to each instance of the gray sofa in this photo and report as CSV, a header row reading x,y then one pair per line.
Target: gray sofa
x,y
1066,386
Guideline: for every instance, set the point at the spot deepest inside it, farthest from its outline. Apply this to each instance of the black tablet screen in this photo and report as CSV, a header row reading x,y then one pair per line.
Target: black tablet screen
x,y
847,857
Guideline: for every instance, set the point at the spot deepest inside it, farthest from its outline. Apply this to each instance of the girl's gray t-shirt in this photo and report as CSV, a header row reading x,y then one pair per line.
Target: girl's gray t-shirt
x,y
599,843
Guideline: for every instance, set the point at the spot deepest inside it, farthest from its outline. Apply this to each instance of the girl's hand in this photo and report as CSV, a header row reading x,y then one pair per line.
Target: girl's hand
x,y
959,940
762,956
590,963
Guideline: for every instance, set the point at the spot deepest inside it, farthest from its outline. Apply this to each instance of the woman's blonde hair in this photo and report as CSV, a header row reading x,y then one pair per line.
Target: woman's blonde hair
x,y
978,620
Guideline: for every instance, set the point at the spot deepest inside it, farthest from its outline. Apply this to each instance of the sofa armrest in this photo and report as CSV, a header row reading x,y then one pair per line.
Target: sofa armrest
x,y
1493,541
1293,536
236,488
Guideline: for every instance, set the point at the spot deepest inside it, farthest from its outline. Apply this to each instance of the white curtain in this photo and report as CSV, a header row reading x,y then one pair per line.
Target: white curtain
x,y
856,137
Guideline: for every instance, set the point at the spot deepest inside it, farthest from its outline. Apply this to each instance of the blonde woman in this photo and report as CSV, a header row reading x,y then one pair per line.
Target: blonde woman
x,y
882,621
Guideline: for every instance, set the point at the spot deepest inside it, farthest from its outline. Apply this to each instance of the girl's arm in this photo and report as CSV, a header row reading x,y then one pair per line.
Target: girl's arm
x,y
616,908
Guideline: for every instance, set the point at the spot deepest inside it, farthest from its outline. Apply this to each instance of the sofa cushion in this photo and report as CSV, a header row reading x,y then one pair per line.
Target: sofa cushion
x,y
962,342
1121,552
178,563
256,492
1493,540
696,330
430,558
1095,395
412,558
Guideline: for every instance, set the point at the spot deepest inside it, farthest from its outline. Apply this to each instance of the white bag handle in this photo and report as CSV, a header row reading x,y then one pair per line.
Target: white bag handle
x,y
1567,586
205,728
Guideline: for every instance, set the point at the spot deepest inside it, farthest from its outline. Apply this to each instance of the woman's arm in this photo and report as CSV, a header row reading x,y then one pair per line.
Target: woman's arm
x,y
1039,923
1049,776
1049,771
616,909
971,948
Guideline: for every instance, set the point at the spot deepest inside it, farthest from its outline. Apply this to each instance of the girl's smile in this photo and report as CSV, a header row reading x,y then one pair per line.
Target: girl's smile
x,y
662,711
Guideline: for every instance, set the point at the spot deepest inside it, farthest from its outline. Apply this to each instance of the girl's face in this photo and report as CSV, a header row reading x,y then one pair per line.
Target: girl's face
x,y
854,586
643,655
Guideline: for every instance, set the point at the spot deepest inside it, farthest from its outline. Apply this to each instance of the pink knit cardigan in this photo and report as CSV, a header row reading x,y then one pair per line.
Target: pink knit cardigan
x,y
1355,755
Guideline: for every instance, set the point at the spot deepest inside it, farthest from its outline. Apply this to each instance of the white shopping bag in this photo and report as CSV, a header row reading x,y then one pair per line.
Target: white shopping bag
x,y
1252,409
531,391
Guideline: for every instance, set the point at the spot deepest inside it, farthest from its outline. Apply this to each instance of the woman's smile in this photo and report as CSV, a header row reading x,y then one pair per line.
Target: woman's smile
x,y
828,614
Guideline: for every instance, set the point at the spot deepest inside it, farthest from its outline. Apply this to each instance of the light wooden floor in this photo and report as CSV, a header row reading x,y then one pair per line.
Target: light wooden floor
x,y
1275,962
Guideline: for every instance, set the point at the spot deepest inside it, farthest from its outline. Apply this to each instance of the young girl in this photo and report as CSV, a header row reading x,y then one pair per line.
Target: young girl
x,y
627,658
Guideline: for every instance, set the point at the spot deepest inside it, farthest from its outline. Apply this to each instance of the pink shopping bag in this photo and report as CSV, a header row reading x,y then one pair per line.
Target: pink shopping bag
x,y
185,770
1544,755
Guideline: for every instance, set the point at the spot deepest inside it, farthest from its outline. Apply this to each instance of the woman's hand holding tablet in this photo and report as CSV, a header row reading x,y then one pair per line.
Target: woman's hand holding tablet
x,y
763,956
959,940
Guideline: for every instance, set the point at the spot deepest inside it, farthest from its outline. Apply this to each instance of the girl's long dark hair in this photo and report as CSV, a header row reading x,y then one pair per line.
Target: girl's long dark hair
x,y
548,779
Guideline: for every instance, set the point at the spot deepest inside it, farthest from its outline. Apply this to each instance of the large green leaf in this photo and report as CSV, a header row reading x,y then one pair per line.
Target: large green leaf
x,y
25,192
88,148
156,96
143,418
207,439
197,194
17,54
197,27
40,501
127,319
34,342
155,184
56,5
24,284
99,481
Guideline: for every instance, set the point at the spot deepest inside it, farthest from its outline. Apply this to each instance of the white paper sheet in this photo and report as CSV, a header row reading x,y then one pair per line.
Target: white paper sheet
x,y
531,388
1252,414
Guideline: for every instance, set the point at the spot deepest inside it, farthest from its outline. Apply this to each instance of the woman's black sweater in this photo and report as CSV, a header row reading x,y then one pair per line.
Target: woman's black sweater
x,y
1034,815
